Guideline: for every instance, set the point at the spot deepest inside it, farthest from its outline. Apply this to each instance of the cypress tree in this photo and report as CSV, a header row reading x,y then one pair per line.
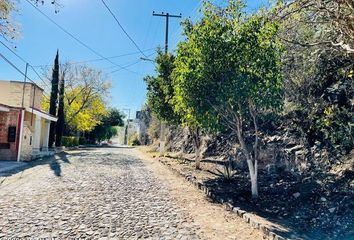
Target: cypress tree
x,y
61,116
54,99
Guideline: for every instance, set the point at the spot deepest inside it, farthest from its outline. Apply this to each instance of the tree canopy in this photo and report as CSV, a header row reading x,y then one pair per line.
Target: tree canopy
x,y
9,29
160,89
107,127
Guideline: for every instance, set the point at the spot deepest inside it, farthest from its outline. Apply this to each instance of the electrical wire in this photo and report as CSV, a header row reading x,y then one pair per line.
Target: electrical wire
x,y
18,70
121,27
97,59
131,64
23,60
73,36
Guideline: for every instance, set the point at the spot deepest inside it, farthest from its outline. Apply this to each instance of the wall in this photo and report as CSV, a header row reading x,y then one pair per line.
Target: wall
x,y
9,119
11,93
27,139
26,149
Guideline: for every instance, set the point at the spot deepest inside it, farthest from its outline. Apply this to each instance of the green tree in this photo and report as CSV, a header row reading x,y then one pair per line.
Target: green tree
x,y
160,89
227,73
200,67
160,92
107,128
54,99
61,113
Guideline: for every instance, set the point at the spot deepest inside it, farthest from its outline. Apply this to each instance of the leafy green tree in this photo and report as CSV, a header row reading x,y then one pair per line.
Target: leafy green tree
x,y
200,67
160,89
227,73
107,128
160,93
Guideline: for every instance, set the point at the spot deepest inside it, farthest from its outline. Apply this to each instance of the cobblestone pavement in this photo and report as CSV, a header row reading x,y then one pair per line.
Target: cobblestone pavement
x,y
97,193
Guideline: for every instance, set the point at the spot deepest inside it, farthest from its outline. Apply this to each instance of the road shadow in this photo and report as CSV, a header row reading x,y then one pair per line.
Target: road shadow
x,y
93,146
54,163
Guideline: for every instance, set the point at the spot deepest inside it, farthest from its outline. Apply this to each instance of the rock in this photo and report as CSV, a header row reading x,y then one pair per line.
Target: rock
x,y
294,149
331,210
296,195
323,199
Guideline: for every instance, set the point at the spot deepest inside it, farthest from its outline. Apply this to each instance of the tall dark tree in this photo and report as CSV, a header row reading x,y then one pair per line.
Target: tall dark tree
x,y
54,99
61,115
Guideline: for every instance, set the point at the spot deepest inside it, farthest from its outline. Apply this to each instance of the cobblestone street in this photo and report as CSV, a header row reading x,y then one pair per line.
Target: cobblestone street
x,y
97,193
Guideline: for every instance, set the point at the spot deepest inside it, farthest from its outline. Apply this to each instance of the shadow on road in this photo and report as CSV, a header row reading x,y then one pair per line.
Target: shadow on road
x,y
53,162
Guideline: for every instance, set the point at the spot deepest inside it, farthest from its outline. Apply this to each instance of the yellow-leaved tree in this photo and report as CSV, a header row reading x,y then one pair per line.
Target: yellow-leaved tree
x,y
84,117
86,93
85,98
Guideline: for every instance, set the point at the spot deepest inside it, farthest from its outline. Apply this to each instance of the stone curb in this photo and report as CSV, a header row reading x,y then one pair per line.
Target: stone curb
x,y
246,216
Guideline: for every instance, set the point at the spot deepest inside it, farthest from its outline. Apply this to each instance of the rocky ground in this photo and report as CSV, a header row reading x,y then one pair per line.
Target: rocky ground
x,y
108,194
316,205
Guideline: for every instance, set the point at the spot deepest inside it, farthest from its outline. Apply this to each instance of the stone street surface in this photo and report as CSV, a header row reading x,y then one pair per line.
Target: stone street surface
x,y
91,194
95,194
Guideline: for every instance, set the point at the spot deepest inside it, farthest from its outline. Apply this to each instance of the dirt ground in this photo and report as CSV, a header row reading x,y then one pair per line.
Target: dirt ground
x,y
215,222
314,206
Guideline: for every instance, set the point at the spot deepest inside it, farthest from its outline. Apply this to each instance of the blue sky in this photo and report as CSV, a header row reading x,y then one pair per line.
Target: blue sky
x,y
89,21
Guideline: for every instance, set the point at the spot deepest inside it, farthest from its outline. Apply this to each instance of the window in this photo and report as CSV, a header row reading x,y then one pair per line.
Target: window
x,y
11,137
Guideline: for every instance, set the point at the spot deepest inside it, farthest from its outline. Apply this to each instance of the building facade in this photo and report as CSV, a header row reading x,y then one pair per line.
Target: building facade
x,y
24,127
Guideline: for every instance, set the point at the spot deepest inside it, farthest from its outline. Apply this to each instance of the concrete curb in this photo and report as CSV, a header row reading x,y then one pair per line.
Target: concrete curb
x,y
246,216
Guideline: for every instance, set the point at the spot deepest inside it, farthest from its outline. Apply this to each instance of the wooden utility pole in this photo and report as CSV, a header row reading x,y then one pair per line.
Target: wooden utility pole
x,y
162,129
167,16
126,127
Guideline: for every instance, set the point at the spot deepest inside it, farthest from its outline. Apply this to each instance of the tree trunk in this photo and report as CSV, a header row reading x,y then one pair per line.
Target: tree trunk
x,y
251,161
126,135
197,157
185,132
197,145
253,176
162,139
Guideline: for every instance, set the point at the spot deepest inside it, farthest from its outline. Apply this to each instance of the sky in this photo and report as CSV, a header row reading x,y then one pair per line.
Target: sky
x,y
90,22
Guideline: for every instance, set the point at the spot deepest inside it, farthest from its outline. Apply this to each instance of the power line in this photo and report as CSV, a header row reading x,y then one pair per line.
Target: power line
x,y
23,60
131,64
147,32
13,65
121,27
97,59
75,38
18,70
193,13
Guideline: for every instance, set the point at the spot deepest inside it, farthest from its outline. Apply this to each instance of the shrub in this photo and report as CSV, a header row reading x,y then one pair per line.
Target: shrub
x,y
82,140
68,141
336,126
154,128
134,140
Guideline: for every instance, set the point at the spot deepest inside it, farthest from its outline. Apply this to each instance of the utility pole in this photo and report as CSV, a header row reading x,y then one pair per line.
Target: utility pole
x,y
127,127
167,16
22,116
162,128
